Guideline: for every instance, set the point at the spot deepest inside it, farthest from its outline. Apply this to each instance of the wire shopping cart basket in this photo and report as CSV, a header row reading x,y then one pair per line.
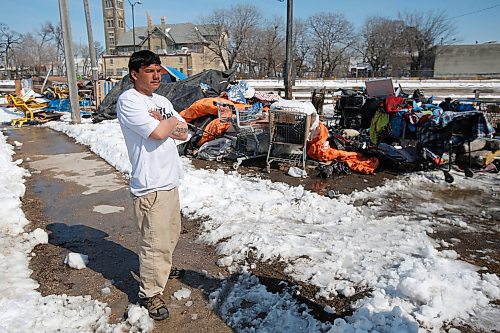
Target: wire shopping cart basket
x,y
246,133
288,132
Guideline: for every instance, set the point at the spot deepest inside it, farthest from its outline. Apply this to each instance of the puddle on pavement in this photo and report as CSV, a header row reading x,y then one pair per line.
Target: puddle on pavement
x,y
477,208
60,172
68,161
52,144
321,187
81,168
44,187
458,195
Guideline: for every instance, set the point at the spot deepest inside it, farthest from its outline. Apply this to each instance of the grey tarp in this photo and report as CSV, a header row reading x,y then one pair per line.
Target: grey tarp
x,y
182,93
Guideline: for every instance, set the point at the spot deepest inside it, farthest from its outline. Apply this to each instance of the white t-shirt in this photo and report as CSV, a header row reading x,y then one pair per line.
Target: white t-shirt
x,y
155,163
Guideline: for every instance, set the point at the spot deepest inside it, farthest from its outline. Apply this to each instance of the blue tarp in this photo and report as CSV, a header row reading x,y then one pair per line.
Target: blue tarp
x,y
63,105
173,75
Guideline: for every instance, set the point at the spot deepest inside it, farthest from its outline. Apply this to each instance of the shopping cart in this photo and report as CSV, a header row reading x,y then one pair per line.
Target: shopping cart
x,y
288,133
435,140
245,134
349,106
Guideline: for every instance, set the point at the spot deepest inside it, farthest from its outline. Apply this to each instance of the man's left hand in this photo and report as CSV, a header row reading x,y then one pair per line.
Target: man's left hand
x,y
155,114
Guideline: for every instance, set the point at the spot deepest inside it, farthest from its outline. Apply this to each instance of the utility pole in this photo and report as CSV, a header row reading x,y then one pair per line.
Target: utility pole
x,y
90,36
93,58
70,62
289,50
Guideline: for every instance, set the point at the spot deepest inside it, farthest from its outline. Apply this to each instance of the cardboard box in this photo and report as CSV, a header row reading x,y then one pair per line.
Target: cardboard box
x,y
380,88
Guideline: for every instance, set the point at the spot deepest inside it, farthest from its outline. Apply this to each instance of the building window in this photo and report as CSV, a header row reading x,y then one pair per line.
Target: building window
x,y
181,70
119,4
109,3
120,23
111,61
110,72
109,23
111,40
181,60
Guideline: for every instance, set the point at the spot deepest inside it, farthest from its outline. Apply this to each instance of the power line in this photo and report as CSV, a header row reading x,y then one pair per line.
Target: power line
x,y
476,11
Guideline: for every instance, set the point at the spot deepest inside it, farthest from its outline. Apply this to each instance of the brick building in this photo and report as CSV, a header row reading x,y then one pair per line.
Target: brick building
x,y
182,46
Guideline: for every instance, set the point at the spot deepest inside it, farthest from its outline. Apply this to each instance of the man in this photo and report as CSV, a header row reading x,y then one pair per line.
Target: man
x,y
150,124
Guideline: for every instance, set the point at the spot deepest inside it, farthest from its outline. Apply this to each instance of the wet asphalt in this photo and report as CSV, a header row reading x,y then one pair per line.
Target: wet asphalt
x,y
86,208
86,201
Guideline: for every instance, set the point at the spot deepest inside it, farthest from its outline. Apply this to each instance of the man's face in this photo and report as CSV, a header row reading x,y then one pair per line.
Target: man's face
x,y
147,80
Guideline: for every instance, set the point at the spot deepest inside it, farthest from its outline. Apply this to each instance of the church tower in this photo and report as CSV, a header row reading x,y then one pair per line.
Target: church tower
x,y
113,13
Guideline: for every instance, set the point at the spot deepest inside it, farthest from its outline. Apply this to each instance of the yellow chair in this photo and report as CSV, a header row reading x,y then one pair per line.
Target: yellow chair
x,y
18,103
61,91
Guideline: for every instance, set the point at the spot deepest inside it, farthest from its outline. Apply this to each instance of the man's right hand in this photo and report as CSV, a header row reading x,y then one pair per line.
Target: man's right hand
x,y
180,131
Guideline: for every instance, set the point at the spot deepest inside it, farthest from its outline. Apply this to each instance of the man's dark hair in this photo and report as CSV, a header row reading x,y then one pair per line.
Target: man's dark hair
x,y
142,58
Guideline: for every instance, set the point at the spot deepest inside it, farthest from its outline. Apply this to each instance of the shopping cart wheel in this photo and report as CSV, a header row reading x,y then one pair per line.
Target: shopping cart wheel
x,y
448,178
236,165
268,169
469,173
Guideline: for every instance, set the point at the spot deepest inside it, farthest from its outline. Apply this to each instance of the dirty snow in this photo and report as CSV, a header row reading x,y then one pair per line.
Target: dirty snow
x,y
76,260
22,308
342,246
335,244
182,293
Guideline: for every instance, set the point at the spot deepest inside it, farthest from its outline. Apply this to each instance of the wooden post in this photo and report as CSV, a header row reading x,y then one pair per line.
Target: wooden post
x,y
17,86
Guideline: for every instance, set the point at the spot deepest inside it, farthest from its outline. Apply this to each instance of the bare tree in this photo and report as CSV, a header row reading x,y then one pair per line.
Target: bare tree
x,y
250,57
99,49
381,43
33,53
8,39
80,54
54,35
44,47
25,55
423,32
231,27
302,46
271,46
331,35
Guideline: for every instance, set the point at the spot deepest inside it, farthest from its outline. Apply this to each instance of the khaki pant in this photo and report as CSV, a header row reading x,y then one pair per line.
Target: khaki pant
x,y
158,217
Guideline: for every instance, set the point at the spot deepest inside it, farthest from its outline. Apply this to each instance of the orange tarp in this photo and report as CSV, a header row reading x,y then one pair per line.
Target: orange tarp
x,y
214,130
206,106
319,149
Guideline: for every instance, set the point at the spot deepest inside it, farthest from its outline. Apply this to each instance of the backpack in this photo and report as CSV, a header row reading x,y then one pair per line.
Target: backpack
x,y
393,104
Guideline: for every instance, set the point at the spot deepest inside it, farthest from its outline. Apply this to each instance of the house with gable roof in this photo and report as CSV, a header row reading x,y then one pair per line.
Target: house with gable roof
x,y
182,46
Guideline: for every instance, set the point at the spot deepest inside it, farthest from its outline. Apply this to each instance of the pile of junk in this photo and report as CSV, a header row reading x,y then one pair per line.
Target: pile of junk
x,y
48,106
379,125
412,132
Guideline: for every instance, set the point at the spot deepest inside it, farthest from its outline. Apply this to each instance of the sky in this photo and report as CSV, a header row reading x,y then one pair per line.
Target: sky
x,y
374,245
475,20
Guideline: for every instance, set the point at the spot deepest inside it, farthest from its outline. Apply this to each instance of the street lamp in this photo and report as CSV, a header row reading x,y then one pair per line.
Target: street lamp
x,y
133,19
